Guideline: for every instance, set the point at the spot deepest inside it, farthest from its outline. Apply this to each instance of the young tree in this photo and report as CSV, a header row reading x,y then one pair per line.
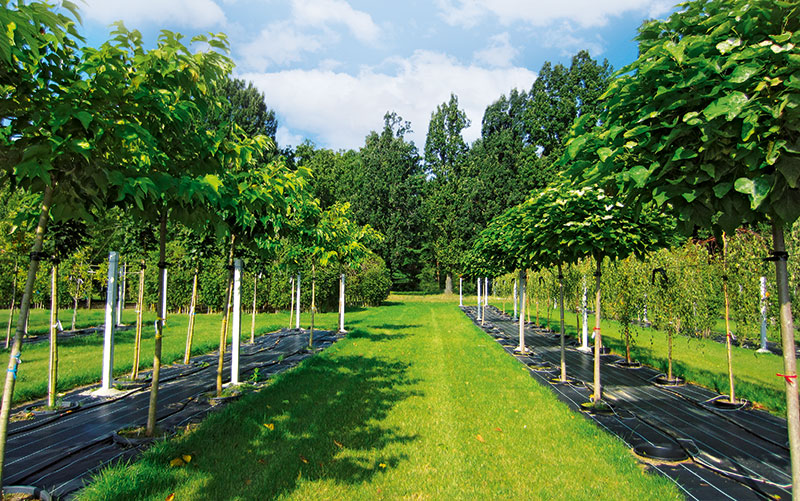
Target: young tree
x,y
709,112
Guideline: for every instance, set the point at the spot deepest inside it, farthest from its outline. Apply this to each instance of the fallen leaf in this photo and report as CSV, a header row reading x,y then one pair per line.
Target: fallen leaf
x,y
170,497
303,459
382,465
261,461
248,481
498,429
177,462
187,458
480,438
338,444
269,426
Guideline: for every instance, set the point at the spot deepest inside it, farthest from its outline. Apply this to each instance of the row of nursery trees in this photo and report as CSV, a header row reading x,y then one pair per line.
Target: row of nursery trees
x,y
90,130
700,133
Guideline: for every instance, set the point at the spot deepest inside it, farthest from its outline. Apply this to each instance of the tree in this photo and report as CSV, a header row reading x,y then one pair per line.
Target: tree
x,y
709,116
387,196
445,155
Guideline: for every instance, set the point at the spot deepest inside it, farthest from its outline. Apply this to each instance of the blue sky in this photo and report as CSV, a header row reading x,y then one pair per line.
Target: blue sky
x,y
332,68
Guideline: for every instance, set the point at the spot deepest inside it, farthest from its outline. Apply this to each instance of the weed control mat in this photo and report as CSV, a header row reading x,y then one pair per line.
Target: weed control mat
x,y
733,454
59,452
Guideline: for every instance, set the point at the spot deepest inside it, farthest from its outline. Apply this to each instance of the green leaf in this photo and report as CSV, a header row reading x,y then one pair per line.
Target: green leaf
x,y
639,174
744,72
604,153
85,117
757,189
730,105
728,45
721,189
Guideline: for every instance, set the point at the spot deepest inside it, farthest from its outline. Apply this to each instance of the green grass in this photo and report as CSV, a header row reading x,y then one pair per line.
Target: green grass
x,y
416,403
81,358
702,361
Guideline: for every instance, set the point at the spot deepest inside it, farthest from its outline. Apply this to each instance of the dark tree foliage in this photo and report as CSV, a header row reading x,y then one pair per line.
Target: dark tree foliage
x,y
245,106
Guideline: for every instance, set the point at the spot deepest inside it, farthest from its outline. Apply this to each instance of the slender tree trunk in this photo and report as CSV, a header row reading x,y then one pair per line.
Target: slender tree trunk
x,y
563,347
627,344
13,301
670,336
448,283
223,333
137,345
162,313
253,321
52,372
598,338
291,304
522,293
192,307
24,309
789,360
727,316
313,304
74,312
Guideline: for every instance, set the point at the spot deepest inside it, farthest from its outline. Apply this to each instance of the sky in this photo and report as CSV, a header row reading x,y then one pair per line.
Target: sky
x,y
332,68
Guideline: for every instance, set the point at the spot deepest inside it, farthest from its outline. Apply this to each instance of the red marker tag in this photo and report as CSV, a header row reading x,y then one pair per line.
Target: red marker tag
x,y
788,377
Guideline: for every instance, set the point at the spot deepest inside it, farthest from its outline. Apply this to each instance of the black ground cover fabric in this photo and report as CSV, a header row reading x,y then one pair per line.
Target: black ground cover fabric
x,y
734,454
59,452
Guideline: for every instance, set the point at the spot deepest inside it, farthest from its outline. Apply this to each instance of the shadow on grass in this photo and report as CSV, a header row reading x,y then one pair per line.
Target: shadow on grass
x,y
322,421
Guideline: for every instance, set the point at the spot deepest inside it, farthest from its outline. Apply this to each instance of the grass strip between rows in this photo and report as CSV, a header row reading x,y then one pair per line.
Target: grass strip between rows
x,y
416,403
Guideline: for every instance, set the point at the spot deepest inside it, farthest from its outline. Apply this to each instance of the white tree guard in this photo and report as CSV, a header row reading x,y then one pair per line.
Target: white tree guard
x,y
108,330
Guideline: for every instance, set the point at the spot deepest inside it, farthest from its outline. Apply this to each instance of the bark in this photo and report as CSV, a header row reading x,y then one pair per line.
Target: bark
x,y
137,345
24,309
789,360
563,347
52,373
313,304
223,333
448,283
253,321
13,301
192,307
162,293
291,304
522,294
598,338
727,317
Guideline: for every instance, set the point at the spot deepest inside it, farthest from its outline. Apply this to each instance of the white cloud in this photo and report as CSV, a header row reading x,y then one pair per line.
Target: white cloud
x,y
340,109
279,43
189,13
322,13
586,13
570,41
285,137
499,53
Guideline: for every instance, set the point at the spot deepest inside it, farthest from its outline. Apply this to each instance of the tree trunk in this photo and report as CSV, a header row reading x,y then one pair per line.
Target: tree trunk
x,y
192,307
13,301
74,312
789,360
563,347
448,283
162,292
522,292
313,305
52,372
24,309
598,338
727,317
137,345
253,321
291,303
223,333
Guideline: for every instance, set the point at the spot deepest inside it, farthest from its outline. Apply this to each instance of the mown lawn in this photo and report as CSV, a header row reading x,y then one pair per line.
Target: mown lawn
x,y
416,403
702,361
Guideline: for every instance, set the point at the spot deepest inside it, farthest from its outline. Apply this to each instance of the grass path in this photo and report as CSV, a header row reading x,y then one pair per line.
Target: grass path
x,y
416,403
